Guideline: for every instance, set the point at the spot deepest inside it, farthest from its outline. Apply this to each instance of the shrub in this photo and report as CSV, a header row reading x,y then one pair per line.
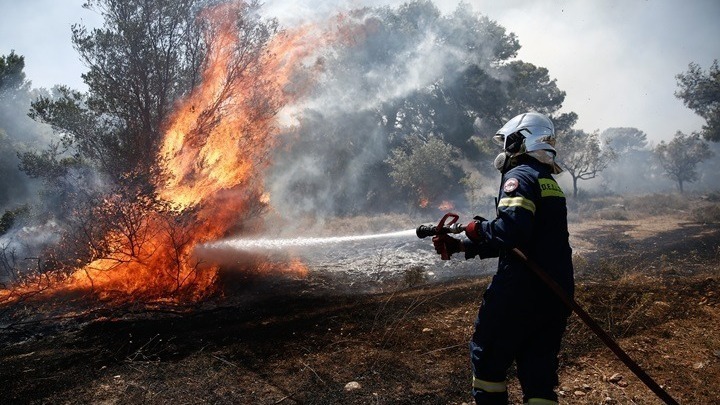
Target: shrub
x,y
415,275
658,204
706,214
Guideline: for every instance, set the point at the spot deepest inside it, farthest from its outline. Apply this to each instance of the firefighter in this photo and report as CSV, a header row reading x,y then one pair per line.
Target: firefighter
x,y
520,319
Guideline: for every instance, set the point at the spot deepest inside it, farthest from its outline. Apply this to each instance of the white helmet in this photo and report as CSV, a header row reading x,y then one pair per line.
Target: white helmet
x,y
527,133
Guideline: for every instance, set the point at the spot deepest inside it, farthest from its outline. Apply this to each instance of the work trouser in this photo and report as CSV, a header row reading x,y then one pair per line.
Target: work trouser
x,y
529,331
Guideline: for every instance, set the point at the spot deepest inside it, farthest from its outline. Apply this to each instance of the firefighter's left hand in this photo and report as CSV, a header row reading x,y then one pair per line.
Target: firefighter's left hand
x,y
473,230
446,246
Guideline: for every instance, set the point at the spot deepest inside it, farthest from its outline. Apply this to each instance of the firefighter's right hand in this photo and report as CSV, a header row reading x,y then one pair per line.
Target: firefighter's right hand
x,y
446,246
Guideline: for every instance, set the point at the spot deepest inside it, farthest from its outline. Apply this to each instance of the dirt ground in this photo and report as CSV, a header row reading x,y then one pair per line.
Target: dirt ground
x,y
651,283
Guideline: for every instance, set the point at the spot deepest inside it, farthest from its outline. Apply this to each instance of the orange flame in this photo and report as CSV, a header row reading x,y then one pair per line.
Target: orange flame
x,y
215,148
446,206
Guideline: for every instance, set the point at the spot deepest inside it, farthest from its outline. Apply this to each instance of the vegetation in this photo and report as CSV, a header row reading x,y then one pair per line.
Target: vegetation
x,y
397,119
700,91
679,158
582,156
416,79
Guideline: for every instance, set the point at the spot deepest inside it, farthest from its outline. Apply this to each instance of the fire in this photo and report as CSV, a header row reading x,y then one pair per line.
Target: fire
x,y
212,156
220,136
446,206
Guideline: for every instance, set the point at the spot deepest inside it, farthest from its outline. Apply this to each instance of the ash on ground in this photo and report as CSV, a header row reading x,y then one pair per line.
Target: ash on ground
x,y
368,266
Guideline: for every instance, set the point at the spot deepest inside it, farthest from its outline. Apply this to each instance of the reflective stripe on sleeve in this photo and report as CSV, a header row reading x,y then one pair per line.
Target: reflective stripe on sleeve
x,y
540,401
489,386
517,202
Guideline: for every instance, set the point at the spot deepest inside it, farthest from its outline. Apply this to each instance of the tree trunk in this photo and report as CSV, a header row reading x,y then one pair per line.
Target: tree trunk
x,y
575,188
680,183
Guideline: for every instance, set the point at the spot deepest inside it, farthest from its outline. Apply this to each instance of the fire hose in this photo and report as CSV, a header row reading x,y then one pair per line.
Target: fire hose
x,y
453,227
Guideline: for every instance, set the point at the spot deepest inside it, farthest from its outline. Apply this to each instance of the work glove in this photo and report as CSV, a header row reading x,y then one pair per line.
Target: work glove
x,y
446,246
473,230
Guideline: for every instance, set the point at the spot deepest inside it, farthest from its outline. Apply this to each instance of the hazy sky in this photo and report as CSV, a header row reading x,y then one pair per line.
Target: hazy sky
x,y
616,59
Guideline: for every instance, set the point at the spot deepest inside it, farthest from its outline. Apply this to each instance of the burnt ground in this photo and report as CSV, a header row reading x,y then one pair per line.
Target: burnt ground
x,y
652,284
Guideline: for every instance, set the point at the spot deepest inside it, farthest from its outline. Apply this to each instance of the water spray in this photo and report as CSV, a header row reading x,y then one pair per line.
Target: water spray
x,y
301,242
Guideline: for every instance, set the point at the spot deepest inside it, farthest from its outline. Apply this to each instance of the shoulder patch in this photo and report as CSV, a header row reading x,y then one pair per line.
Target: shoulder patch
x,y
511,185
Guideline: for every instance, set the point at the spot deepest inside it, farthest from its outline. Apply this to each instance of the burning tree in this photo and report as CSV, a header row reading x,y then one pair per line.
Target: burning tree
x,y
166,149
175,127
679,158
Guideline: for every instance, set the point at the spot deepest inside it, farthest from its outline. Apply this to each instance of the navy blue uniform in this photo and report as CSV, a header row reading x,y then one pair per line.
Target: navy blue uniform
x,y
520,318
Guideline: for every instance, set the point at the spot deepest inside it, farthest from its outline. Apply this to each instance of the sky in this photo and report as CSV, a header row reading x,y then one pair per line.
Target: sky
x,y
616,59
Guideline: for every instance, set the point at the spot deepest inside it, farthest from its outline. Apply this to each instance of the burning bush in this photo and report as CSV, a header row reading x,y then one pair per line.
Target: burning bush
x,y
135,238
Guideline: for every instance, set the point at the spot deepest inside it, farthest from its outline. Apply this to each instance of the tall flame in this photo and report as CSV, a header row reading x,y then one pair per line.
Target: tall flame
x,y
212,155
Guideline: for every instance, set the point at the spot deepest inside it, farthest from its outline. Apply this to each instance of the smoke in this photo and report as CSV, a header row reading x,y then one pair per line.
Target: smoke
x,y
22,234
332,160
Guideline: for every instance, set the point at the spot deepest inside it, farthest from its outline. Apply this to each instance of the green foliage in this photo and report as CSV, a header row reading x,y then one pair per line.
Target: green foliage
x,y
624,140
12,75
49,164
679,158
415,275
410,72
423,166
530,89
700,91
10,217
18,132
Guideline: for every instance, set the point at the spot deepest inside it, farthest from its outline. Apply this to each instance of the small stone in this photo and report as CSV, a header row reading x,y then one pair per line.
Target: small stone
x,y
352,386
579,393
586,387
426,330
622,384
615,378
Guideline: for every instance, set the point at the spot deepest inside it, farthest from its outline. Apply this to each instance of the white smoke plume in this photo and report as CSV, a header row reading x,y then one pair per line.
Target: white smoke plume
x,y
333,159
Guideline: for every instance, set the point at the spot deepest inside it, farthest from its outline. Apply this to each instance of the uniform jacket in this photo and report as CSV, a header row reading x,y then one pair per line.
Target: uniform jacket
x,y
532,216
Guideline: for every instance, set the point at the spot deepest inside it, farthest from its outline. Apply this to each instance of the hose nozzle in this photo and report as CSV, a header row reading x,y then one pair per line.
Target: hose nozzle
x,y
425,230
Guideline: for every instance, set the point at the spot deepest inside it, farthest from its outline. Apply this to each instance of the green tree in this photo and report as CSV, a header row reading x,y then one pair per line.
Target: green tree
x,y
16,129
582,155
700,91
407,72
424,167
631,148
13,84
679,158
145,57
624,140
